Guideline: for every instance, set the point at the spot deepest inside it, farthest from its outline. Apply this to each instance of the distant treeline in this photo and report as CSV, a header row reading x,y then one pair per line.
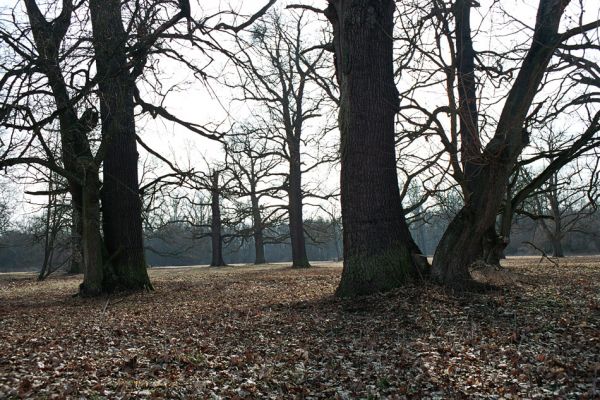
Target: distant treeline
x,y
178,244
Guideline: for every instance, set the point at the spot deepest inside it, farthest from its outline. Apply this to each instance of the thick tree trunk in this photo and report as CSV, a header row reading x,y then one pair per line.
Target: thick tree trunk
x,y
299,256
121,204
259,243
216,225
464,240
379,253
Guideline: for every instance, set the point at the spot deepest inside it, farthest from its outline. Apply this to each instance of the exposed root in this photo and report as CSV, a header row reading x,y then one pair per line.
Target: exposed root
x,y
495,274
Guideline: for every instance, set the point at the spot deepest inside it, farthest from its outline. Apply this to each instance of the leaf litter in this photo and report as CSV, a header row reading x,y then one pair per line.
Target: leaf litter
x,y
273,332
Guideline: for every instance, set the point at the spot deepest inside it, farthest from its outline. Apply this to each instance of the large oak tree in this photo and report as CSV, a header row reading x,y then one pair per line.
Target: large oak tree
x,y
379,253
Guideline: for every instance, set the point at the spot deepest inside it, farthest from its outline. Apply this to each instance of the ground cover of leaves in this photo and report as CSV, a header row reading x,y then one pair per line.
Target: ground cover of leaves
x,y
274,332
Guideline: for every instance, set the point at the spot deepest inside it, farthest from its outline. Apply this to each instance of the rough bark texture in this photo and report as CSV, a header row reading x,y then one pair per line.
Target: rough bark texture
x,y
216,225
77,158
121,204
379,253
462,243
94,279
299,257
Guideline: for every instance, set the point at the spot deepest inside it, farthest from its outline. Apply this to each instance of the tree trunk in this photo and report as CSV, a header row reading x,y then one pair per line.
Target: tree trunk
x,y
259,245
464,240
493,247
379,253
494,243
121,204
299,256
557,248
48,235
75,263
467,93
336,241
216,226
96,270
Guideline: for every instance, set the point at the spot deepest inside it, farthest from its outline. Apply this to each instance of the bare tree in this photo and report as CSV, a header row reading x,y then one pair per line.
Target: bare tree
x,y
491,110
258,178
564,202
275,70
40,67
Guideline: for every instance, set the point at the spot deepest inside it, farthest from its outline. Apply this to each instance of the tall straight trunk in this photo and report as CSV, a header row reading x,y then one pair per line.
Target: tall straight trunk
x,y
462,242
379,253
554,232
259,242
299,256
216,224
121,204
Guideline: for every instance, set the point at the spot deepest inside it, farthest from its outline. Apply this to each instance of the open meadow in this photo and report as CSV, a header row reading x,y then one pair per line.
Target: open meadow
x,y
274,332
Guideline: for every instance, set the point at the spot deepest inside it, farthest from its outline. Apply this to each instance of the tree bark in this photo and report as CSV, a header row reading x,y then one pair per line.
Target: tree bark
x,y
493,247
259,243
75,263
379,253
216,225
299,256
121,204
94,279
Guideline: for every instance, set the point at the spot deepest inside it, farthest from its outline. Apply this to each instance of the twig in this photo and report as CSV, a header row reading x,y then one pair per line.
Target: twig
x,y
544,255
106,305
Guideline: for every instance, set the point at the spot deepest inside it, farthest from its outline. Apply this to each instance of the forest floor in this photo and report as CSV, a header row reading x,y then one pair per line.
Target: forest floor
x,y
273,332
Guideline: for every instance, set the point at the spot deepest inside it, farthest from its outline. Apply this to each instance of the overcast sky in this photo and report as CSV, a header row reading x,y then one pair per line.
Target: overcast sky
x,y
201,104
